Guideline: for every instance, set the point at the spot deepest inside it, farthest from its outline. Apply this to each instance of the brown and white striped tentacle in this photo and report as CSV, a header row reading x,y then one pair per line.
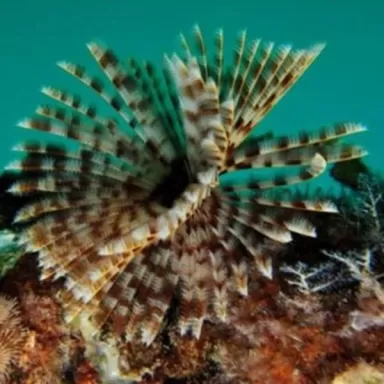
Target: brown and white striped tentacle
x,y
129,87
297,157
300,205
316,167
220,298
118,104
130,148
304,139
203,124
272,79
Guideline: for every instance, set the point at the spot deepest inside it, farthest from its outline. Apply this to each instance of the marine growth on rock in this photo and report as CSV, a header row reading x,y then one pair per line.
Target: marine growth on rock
x,y
149,202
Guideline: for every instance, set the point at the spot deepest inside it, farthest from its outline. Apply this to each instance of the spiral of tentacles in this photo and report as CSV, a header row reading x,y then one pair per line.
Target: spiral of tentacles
x,y
144,207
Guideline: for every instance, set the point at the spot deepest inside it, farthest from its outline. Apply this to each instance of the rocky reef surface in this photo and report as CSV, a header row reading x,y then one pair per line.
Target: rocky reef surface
x,y
320,319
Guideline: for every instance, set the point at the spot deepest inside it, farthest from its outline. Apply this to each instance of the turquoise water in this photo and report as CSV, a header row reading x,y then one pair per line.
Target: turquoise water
x,y
345,83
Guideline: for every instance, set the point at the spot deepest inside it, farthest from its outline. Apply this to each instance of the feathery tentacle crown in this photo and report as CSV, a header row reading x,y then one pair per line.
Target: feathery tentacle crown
x,y
141,207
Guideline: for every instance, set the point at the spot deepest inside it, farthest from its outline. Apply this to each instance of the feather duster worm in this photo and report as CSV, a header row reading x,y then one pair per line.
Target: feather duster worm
x,y
12,336
142,206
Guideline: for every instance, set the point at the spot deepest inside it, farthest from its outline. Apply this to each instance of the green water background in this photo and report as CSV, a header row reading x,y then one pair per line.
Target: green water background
x,y
345,83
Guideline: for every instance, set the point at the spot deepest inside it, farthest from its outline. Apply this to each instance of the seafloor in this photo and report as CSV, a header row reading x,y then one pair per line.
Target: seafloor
x,y
319,320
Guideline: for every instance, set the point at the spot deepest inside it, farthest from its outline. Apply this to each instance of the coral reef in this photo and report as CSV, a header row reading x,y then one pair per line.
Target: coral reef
x,y
153,205
320,314
318,318
139,257
52,352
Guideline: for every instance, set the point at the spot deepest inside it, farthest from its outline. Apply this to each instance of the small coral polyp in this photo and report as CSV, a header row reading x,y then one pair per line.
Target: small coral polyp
x,y
143,207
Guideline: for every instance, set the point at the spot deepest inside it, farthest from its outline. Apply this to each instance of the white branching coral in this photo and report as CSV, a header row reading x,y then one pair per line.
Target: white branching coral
x,y
360,267
370,201
359,264
309,280
370,195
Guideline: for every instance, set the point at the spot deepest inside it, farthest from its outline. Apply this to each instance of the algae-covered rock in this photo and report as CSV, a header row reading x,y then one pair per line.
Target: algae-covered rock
x,y
10,251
